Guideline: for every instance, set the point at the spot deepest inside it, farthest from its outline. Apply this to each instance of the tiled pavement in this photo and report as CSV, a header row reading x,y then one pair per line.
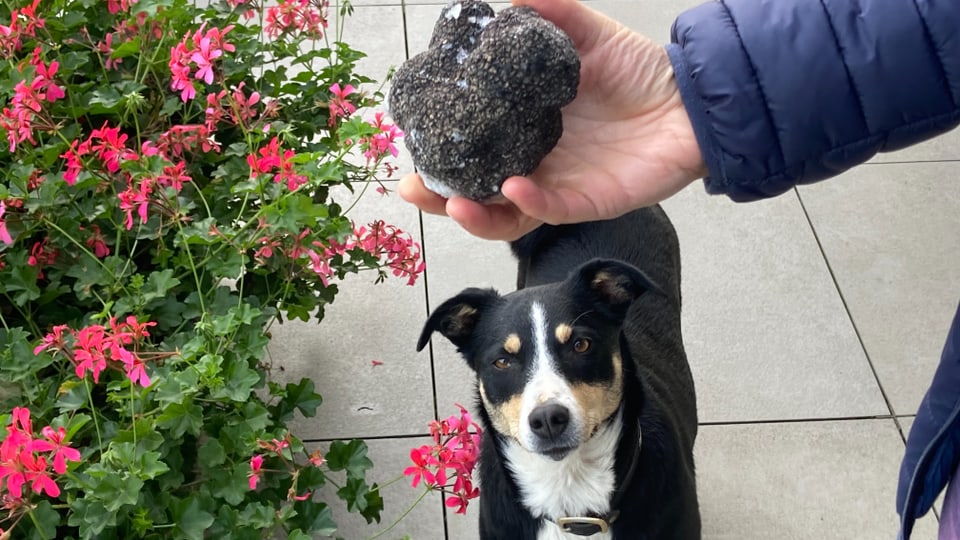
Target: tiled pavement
x,y
813,323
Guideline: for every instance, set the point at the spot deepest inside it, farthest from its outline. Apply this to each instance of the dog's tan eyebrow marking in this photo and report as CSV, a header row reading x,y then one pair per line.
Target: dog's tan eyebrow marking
x,y
563,333
512,344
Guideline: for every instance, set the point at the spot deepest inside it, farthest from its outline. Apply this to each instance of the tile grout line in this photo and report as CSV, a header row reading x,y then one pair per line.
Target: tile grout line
x,y
846,308
803,420
426,279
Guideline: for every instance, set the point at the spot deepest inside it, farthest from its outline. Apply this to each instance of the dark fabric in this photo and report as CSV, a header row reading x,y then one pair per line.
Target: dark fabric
x,y
933,446
786,92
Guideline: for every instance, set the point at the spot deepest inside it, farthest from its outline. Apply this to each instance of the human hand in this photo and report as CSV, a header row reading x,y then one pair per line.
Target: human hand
x,y
627,140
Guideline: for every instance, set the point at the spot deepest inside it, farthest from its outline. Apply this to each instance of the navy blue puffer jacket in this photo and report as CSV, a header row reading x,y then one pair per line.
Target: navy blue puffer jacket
x,y
787,92
783,92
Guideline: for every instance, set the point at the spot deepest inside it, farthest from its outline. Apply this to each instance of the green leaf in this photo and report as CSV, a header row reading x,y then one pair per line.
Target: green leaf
x,y
22,277
303,397
181,418
117,491
126,48
232,486
107,97
316,517
297,534
190,519
374,505
158,285
257,515
73,396
351,457
47,519
91,516
239,381
211,454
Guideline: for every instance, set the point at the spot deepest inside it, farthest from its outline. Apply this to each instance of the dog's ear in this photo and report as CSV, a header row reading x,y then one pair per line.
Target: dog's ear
x,y
457,317
611,286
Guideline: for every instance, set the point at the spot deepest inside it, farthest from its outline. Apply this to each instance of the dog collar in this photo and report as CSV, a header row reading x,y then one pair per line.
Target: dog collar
x,y
592,523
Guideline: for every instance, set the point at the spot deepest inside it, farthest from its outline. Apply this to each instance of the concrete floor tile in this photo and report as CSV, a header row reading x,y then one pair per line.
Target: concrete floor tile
x,y
890,234
377,31
946,147
652,18
455,261
765,331
793,481
390,457
366,322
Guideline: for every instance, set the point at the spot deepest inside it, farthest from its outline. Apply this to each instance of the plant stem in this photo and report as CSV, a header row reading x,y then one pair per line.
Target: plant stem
x,y
93,413
36,524
403,515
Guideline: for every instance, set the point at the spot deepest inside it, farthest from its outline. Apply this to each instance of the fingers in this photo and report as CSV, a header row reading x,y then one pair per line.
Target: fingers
x,y
584,25
412,190
493,221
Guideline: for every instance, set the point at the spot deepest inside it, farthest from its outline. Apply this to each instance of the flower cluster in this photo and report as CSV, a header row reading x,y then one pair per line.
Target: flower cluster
x,y
272,159
297,17
168,192
453,455
95,348
197,51
281,450
383,142
28,99
27,460
23,24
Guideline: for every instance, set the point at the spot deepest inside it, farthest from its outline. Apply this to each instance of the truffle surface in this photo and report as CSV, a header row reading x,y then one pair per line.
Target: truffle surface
x,y
482,103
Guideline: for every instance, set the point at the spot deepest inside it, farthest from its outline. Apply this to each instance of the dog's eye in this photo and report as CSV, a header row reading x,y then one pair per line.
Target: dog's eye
x,y
501,363
581,345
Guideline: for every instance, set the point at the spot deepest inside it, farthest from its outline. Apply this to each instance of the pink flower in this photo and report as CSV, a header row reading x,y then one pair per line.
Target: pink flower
x,y
453,454
97,243
339,105
4,234
74,165
53,340
316,458
88,353
256,470
37,474
174,176
116,6
382,143
291,16
54,442
111,148
198,50
204,57
422,463
136,198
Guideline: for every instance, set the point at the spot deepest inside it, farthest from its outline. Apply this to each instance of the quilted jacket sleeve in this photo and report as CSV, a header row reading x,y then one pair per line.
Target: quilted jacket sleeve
x,y
786,92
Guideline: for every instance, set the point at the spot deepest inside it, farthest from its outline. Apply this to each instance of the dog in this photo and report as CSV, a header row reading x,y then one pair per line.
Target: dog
x,y
583,387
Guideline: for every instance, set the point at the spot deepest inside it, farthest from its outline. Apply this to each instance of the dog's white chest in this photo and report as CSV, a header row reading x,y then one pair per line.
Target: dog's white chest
x,y
581,483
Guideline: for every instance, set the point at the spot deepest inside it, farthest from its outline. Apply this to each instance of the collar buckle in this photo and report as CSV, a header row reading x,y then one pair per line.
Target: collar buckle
x,y
583,526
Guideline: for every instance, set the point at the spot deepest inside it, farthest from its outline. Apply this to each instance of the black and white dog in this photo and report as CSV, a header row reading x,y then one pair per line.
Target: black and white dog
x,y
584,389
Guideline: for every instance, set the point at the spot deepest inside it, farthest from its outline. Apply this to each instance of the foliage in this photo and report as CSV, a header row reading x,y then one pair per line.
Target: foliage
x,y
166,196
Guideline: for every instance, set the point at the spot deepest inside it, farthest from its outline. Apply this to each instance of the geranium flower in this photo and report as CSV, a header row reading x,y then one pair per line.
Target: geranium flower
x,y
256,470
54,442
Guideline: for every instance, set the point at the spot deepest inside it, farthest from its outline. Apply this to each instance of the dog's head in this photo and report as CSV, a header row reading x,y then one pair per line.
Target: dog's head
x,y
548,360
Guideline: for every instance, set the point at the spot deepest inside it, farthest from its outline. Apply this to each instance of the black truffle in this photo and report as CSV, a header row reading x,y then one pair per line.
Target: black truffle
x,y
482,103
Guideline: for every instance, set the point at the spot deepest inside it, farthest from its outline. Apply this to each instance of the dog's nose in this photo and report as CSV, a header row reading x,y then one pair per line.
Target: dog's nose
x,y
549,421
